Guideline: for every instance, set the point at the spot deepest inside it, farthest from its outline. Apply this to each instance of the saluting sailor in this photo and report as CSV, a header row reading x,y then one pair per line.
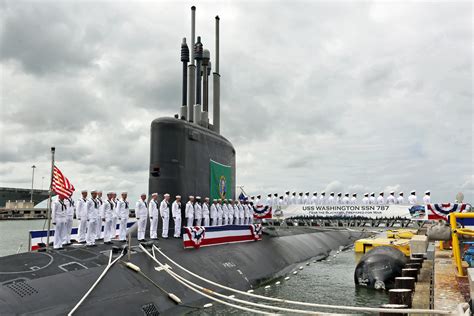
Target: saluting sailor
x,y
81,215
165,215
412,199
427,197
205,211
141,212
220,212
400,199
380,199
58,214
69,218
124,212
213,212
108,210
176,210
153,213
354,199
189,212
391,198
100,218
92,215
365,199
198,211
372,199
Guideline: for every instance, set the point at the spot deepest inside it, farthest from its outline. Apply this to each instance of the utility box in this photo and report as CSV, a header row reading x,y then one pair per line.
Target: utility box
x,y
418,244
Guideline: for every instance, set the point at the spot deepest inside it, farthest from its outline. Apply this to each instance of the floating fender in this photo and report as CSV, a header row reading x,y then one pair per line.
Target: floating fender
x,y
379,267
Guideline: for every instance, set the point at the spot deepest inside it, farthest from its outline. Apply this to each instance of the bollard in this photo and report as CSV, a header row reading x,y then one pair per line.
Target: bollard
x,y
392,306
418,255
409,272
416,260
405,283
400,296
416,266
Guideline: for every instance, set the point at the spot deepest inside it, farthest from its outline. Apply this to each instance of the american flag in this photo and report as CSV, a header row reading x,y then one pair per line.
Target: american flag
x,y
60,184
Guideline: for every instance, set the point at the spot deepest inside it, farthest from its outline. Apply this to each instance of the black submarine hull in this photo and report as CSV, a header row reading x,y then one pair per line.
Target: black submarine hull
x,y
61,278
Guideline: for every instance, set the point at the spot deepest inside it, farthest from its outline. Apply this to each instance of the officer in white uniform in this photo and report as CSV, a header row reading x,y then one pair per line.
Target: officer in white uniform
x,y
205,212
225,213
365,199
124,212
354,199
380,199
165,215
108,209
346,199
213,213
141,212
198,211
412,199
400,199
59,214
427,197
100,219
286,198
92,206
176,210
241,213
322,198
69,219
391,198
189,212
81,215
372,199
153,213
220,212
331,199
314,198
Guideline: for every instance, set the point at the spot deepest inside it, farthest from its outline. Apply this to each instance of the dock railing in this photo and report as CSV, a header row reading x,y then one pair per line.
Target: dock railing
x,y
455,232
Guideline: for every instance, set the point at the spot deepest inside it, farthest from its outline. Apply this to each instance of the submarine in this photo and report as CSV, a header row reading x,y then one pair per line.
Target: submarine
x,y
122,278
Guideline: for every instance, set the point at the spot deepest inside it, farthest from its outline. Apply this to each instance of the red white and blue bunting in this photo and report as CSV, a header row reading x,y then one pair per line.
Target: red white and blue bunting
x,y
262,211
200,236
442,211
196,235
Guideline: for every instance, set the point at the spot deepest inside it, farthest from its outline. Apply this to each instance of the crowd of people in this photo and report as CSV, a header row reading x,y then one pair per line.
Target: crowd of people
x,y
94,211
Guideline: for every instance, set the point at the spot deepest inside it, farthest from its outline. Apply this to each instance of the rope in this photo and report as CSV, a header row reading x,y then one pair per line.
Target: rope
x,y
111,263
337,307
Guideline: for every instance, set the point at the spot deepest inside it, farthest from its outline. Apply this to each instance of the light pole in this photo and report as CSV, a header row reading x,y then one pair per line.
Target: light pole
x,y
32,181
42,182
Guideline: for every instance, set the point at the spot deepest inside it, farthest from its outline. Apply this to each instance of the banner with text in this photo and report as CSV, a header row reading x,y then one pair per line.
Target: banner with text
x,y
221,181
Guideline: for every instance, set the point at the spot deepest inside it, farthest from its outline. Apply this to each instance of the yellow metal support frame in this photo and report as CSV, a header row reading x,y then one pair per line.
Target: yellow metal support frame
x,y
455,231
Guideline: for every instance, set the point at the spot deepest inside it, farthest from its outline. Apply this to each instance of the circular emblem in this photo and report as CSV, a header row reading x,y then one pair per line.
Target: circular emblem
x,y
222,187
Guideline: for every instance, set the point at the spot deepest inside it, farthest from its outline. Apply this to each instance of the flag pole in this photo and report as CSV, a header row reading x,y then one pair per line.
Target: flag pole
x,y
49,198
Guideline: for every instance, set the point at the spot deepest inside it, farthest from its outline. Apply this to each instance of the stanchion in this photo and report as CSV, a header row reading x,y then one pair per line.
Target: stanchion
x,y
400,296
416,266
416,260
408,272
405,283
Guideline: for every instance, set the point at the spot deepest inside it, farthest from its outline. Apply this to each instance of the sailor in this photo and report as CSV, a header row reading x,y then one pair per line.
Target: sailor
x,y
365,199
213,212
306,199
189,212
123,211
293,199
427,197
220,212
225,213
108,209
372,199
241,213
380,199
141,212
269,200
322,198
400,199
258,200
331,199
276,200
59,214
346,199
198,211
299,199
69,219
81,215
314,199
153,213
250,214
412,199
391,198
354,199
115,215
100,219
176,210
230,214
92,206
339,198
286,198
236,212
205,211
165,215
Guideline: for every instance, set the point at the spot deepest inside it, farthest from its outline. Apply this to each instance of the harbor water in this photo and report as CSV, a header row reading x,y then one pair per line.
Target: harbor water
x,y
330,281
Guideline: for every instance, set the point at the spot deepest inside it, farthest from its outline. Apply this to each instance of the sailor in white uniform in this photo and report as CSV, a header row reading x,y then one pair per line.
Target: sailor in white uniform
x,y
231,209
198,211
59,214
69,219
189,212
293,199
225,213
372,199
331,199
108,213
154,216
213,213
339,198
346,200
237,212
241,213
314,199
354,199
92,206
81,215
176,210
220,212
269,200
412,199
400,199
141,212
380,199
205,211
306,199
165,215
391,198
286,198
299,198
365,199
250,213
276,200
258,200
322,198
124,212
100,219
427,197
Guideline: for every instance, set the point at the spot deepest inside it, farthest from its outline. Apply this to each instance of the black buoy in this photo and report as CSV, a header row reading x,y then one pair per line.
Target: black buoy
x,y
379,267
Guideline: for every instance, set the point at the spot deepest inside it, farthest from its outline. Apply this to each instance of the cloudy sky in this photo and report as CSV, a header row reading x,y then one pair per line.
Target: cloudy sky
x,y
354,96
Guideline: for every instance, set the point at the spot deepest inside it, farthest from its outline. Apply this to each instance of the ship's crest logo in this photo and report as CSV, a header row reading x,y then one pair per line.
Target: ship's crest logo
x,y
222,187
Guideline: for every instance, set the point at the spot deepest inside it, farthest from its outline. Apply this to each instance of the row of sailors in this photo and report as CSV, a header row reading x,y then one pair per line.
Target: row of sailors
x,y
92,212
333,199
